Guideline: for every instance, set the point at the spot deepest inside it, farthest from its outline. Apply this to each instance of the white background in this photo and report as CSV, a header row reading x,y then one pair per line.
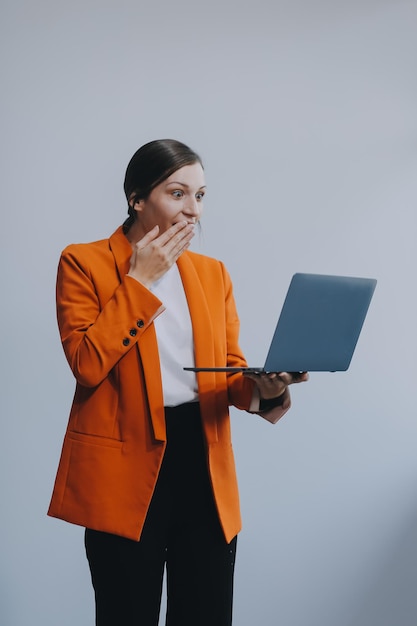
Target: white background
x,y
304,113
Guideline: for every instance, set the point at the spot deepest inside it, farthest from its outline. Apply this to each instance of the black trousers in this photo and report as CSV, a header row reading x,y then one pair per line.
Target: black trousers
x,y
181,532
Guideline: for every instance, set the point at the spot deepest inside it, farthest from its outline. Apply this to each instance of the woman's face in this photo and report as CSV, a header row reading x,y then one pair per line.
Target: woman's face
x,y
179,197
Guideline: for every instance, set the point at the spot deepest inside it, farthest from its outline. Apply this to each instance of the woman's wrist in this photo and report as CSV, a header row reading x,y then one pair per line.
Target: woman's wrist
x,y
266,404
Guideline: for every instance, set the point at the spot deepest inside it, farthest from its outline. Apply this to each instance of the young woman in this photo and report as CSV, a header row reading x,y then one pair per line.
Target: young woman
x,y
147,463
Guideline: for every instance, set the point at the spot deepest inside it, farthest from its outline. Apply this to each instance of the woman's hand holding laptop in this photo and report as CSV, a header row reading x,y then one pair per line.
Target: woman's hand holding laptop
x,y
272,385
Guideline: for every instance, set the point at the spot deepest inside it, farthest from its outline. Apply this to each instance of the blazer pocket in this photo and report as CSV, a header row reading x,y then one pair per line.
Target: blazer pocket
x,y
95,440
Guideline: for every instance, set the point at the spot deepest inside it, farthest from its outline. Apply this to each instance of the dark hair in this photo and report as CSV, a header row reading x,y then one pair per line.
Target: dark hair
x,y
149,166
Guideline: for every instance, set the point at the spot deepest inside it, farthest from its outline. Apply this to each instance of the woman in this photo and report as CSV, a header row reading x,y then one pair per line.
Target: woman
x,y
147,464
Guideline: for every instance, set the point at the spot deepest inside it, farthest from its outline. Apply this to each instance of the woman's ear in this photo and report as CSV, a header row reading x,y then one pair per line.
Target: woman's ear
x,y
135,203
131,200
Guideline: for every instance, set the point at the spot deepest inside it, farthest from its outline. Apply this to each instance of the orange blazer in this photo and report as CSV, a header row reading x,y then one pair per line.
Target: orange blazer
x,y
115,439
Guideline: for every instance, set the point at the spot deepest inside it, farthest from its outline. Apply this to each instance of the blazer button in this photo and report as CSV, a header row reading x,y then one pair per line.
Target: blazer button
x,y
133,332
126,341
140,323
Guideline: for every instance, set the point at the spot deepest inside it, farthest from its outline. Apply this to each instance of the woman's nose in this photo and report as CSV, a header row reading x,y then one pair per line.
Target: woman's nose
x,y
192,208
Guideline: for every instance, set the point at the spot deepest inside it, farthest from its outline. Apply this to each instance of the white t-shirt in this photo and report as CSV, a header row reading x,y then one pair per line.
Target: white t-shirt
x,y
175,340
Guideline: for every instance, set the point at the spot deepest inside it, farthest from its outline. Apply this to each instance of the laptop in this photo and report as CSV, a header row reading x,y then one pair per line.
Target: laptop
x,y
319,325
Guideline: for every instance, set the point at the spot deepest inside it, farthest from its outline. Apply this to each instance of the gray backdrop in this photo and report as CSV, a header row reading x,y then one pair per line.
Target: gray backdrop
x,y
304,112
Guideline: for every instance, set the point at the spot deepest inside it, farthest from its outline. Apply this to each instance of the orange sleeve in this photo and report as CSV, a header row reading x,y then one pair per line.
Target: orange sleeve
x,y
96,334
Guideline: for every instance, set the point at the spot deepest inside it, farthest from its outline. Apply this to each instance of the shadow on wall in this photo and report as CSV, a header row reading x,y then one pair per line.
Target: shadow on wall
x,y
391,600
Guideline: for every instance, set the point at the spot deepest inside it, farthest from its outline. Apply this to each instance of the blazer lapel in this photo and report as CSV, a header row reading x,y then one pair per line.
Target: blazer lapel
x,y
122,251
147,344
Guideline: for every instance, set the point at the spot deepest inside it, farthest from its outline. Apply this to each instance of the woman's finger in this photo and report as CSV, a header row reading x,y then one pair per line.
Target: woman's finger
x,y
148,238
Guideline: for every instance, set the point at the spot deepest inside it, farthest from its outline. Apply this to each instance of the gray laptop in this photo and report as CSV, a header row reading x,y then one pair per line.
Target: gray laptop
x,y
318,327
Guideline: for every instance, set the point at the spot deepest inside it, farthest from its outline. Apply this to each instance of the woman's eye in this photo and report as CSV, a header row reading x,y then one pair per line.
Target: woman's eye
x,y
200,195
178,193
